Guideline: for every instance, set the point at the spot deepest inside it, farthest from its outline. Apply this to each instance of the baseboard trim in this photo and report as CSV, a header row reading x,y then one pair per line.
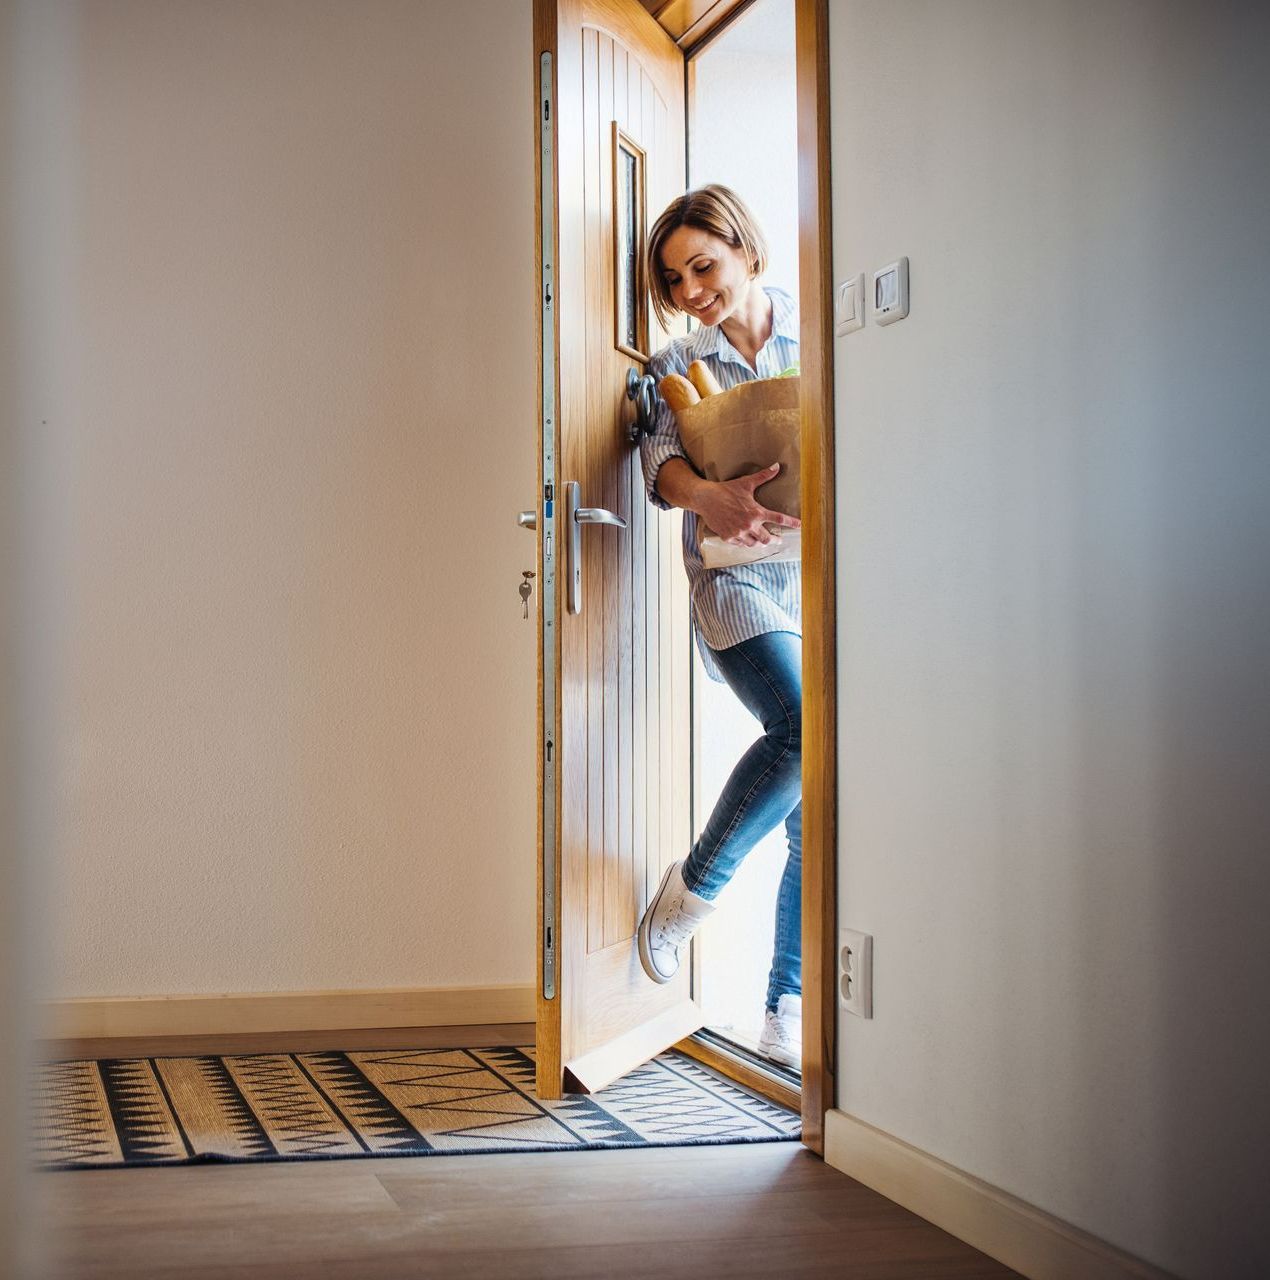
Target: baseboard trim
x,y
271,1011
1031,1241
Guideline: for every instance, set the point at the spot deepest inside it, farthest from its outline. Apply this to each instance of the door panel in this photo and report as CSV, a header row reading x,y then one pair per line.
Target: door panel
x,y
623,662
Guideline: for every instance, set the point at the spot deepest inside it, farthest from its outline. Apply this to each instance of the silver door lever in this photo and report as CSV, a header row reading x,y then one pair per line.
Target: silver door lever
x,y
575,517
598,515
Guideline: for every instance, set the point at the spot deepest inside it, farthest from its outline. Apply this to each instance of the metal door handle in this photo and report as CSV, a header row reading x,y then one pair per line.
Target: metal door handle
x,y
575,517
527,519
598,515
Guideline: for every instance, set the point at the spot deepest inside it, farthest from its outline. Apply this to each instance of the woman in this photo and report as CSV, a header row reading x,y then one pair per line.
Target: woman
x,y
705,254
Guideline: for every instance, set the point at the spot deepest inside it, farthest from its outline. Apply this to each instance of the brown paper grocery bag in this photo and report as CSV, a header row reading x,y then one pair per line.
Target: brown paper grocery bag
x,y
738,432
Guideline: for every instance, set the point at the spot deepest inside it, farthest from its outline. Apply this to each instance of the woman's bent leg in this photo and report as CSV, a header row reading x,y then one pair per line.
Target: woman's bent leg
x,y
765,672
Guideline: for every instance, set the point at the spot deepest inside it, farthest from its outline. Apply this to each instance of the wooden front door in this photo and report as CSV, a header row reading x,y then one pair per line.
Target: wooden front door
x,y
615,713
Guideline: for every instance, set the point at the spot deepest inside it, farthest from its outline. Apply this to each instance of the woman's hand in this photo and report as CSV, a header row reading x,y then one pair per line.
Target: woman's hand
x,y
731,510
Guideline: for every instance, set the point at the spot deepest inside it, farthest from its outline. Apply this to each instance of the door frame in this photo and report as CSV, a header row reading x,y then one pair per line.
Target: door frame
x,y
820,579
819,649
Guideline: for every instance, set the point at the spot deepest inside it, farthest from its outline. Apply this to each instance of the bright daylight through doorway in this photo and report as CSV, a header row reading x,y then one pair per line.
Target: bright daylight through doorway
x,y
743,133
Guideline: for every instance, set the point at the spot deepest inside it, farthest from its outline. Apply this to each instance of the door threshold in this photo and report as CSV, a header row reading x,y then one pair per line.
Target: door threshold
x,y
777,1084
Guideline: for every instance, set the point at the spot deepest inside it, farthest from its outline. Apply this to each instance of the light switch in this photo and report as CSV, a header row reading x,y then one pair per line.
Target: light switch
x,y
848,306
890,292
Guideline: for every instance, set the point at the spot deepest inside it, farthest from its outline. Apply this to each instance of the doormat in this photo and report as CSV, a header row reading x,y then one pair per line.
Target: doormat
x,y
111,1113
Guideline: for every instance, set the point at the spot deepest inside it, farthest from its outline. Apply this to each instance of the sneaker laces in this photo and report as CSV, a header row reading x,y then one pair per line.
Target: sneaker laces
x,y
676,928
782,1030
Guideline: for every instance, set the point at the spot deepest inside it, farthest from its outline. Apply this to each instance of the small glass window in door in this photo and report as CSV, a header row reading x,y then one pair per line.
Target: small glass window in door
x,y
630,288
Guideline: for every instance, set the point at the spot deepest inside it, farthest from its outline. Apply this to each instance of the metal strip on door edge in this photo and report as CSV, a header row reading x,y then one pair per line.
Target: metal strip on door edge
x,y
548,531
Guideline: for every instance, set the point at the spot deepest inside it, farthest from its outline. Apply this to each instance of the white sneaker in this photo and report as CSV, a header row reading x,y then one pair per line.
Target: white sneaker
x,y
670,921
782,1038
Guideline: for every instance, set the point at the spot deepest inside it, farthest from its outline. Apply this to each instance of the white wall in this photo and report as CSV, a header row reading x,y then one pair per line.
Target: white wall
x,y
1054,551
286,418
15,1204
36,107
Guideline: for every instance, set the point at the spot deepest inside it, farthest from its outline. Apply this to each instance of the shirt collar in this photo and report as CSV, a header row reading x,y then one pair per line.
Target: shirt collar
x,y
710,340
784,315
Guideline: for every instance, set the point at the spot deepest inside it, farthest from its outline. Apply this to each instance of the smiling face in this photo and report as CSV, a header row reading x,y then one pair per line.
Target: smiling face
x,y
707,277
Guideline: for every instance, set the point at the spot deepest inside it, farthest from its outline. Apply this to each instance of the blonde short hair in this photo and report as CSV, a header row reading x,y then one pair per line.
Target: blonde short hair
x,y
716,209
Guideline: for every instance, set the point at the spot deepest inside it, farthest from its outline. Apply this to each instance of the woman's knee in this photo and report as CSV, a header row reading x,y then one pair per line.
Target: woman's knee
x,y
794,835
786,728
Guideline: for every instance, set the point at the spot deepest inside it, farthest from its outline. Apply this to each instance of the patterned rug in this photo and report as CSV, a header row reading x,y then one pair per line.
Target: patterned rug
x,y
112,1112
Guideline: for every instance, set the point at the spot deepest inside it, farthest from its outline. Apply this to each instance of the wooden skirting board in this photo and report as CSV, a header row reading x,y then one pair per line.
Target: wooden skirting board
x,y
274,1011
1034,1243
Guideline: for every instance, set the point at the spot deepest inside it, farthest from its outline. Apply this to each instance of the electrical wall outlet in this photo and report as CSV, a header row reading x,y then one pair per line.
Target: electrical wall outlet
x,y
855,972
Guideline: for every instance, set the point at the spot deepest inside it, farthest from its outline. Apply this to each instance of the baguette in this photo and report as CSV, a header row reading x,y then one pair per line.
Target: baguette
x,y
701,378
678,392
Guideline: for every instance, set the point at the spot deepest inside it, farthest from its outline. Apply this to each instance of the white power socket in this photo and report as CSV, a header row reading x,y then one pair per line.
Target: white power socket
x,y
855,972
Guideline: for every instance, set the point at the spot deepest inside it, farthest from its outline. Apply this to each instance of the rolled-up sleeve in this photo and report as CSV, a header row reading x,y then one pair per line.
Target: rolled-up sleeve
x,y
663,442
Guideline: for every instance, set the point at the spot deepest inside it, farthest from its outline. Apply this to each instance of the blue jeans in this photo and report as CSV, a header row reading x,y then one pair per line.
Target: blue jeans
x,y
765,788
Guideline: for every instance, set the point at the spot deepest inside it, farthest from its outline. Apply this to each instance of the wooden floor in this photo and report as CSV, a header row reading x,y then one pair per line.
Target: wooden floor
x,y
771,1209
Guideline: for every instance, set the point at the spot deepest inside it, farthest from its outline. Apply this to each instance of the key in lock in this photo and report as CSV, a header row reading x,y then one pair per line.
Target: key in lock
x,y
526,590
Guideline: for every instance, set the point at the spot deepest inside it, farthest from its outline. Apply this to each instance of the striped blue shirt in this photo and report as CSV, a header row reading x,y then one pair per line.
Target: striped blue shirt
x,y
736,603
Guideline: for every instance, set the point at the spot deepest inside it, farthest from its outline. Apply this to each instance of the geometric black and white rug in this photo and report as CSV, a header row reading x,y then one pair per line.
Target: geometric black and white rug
x,y
111,1112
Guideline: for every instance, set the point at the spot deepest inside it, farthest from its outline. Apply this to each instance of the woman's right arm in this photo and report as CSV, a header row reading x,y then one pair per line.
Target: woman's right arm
x,y
728,507
661,448
679,484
